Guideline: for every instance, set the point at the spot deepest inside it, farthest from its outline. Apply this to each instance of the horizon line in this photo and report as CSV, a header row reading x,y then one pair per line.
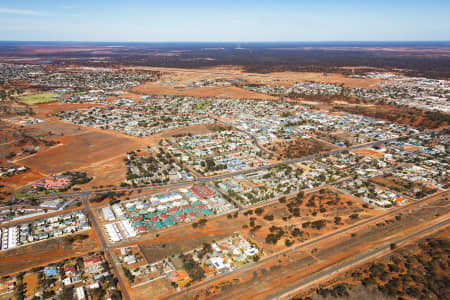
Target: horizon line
x,y
218,42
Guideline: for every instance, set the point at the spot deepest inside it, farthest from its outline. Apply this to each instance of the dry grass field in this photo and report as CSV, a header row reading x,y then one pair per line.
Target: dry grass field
x,y
80,150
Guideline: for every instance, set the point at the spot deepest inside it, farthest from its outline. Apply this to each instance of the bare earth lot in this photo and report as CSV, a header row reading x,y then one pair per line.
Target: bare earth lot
x,y
44,253
187,238
299,147
219,92
275,78
80,150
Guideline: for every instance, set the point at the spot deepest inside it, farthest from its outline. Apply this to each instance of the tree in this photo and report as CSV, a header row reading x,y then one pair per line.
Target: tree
x,y
319,224
268,217
7,95
259,211
128,274
354,216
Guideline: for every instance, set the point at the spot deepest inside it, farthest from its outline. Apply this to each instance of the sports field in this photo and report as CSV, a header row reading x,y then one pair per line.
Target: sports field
x,y
39,98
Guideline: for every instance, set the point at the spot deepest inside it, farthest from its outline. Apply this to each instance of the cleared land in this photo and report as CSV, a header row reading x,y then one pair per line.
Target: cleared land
x,y
106,172
290,78
43,253
405,187
369,153
299,147
55,129
80,150
191,130
31,282
153,88
96,151
177,82
186,238
287,79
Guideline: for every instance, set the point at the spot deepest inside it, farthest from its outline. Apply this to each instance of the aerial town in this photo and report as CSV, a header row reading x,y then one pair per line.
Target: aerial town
x,y
125,182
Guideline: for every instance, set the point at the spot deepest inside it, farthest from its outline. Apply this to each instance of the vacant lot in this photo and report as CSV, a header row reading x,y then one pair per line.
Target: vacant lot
x,y
31,283
408,188
55,129
80,150
299,147
191,130
45,110
106,172
23,179
152,290
288,79
44,253
22,140
278,226
157,88
369,153
181,239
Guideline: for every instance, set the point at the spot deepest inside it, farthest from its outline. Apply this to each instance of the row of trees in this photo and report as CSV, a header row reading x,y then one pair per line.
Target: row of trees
x,y
7,96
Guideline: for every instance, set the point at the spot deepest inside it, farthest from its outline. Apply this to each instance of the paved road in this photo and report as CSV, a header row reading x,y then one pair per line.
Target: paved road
x,y
354,261
84,195
229,175
255,140
306,244
105,248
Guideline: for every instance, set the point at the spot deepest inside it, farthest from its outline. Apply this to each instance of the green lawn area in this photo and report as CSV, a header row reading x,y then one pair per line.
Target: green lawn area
x,y
24,194
39,98
202,105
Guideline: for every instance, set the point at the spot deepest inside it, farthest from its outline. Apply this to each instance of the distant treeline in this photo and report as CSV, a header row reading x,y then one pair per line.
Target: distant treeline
x,y
262,58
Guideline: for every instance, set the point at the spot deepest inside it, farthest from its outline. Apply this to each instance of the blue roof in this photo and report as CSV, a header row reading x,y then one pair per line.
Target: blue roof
x,y
207,212
168,222
51,271
159,225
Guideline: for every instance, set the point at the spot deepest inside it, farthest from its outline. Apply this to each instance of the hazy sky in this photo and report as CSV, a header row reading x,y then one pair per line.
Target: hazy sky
x,y
228,20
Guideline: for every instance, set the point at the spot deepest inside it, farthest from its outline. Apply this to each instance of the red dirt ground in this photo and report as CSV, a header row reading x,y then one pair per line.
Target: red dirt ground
x,y
43,253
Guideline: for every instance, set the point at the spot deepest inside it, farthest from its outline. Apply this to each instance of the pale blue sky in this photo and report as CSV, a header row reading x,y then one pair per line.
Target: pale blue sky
x,y
210,20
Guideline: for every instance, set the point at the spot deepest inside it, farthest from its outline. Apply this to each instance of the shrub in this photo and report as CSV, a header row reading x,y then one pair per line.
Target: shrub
x,y
268,217
354,216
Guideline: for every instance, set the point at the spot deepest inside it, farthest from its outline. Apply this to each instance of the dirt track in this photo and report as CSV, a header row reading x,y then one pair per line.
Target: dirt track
x,y
284,271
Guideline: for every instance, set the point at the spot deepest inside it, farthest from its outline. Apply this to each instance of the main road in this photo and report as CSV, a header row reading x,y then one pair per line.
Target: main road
x,y
228,175
343,265
310,243
105,248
